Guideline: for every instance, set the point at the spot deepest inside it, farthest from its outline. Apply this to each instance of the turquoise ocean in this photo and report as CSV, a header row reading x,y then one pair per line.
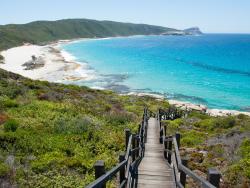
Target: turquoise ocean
x,y
211,69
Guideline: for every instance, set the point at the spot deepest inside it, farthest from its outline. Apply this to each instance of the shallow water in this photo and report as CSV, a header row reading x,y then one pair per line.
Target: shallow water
x,y
210,69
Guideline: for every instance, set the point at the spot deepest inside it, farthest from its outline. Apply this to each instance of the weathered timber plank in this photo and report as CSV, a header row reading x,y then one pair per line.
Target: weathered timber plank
x,y
156,183
155,177
160,173
142,185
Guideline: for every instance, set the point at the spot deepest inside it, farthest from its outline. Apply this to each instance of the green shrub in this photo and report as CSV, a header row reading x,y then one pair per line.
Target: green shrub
x,y
207,124
6,102
242,116
240,170
11,125
217,150
119,118
76,125
4,169
199,115
192,138
47,162
225,122
245,148
173,125
12,90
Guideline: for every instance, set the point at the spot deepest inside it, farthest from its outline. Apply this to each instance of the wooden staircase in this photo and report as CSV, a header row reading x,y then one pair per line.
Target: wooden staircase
x,y
154,171
144,165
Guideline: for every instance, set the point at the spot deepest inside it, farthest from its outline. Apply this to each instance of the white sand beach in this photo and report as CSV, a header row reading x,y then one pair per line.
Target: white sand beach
x,y
59,66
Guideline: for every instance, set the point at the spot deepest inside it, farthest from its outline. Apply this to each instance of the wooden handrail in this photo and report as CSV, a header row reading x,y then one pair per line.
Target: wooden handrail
x,y
128,148
108,176
201,181
131,165
177,165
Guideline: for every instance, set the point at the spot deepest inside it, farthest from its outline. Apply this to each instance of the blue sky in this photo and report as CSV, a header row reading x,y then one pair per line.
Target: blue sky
x,y
212,16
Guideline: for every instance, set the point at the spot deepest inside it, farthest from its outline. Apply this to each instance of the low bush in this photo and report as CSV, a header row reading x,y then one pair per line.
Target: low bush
x,y
4,169
193,138
6,102
207,124
50,96
11,90
119,118
11,125
75,125
172,126
225,122
245,148
198,115
241,169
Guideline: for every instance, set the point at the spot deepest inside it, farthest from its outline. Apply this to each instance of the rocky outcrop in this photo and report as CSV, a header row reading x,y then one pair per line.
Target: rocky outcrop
x,y
34,63
177,32
1,59
189,31
193,31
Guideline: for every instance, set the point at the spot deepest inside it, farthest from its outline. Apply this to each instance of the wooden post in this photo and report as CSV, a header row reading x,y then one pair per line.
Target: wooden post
x,y
214,177
178,139
170,149
165,130
161,136
133,147
143,136
137,143
146,130
122,170
127,135
166,147
99,170
183,175
139,128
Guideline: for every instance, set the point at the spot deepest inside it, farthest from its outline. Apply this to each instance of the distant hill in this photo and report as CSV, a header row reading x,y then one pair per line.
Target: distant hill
x,y
45,31
193,31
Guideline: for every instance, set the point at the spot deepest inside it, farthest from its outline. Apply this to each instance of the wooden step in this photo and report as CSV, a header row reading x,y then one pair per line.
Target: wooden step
x,y
155,183
160,173
155,177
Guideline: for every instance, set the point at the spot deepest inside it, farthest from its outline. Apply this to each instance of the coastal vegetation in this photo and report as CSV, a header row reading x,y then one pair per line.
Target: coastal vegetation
x,y
221,142
52,134
41,32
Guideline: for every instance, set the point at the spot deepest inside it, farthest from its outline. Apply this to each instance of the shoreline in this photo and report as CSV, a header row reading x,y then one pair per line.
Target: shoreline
x,y
62,67
59,65
184,105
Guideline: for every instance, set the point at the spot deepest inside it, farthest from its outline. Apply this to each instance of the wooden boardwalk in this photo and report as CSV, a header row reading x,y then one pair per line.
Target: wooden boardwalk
x,y
153,170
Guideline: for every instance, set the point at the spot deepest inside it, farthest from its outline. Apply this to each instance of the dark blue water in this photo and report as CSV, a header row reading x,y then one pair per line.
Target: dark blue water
x,y
210,69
